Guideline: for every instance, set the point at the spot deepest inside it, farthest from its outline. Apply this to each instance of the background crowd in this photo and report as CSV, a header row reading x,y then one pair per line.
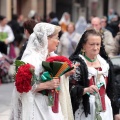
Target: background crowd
x,y
14,37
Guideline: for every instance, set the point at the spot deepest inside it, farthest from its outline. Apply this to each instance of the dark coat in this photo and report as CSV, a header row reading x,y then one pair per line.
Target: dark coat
x,y
22,50
117,85
77,88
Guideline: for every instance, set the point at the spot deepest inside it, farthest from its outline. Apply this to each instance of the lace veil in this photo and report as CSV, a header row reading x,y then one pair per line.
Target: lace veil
x,y
38,39
36,52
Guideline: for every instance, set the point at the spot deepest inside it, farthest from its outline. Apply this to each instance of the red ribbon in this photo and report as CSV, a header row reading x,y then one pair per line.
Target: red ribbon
x,y
55,106
101,92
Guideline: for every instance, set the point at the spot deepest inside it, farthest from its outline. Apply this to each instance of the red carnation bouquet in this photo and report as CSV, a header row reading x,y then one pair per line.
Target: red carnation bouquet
x,y
55,66
24,77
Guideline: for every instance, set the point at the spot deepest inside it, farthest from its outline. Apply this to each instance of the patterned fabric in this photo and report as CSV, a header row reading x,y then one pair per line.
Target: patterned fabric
x,y
101,92
80,113
5,63
34,104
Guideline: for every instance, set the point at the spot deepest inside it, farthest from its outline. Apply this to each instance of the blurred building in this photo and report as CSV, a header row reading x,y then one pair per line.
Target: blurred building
x,y
5,8
76,8
42,7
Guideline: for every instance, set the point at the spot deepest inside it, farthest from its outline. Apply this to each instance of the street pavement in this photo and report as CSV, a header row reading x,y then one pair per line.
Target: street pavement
x,y
5,100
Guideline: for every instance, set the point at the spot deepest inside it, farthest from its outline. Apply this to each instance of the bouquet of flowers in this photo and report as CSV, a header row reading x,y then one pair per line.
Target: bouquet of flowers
x,y
24,77
55,67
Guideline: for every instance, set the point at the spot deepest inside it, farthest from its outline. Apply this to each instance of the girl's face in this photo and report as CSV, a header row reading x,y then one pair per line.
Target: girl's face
x,y
53,42
92,46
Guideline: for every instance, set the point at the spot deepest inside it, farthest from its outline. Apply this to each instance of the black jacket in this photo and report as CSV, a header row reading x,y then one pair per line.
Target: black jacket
x,y
22,51
117,86
77,88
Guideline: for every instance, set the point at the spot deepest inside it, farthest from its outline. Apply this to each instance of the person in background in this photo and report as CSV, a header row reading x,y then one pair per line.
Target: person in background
x,y
106,35
35,16
116,45
116,52
64,21
117,86
5,63
28,30
92,86
105,25
54,20
114,25
68,41
111,14
81,25
20,21
6,35
16,29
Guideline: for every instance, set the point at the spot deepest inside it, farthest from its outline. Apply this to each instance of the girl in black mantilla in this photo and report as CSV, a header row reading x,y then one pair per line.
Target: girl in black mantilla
x,y
92,86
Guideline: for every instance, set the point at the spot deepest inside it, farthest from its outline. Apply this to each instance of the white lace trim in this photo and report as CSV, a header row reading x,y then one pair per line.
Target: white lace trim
x,y
36,52
93,72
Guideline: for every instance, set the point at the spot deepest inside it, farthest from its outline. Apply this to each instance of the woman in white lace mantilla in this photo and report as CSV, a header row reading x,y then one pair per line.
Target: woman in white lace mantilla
x,y
34,105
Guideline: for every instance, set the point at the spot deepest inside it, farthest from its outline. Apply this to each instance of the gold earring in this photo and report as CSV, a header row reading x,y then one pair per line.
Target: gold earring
x,y
82,51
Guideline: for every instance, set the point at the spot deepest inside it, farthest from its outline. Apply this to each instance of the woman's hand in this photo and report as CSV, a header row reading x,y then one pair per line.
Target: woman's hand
x,y
6,42
72,71
117,117
52,84
92,89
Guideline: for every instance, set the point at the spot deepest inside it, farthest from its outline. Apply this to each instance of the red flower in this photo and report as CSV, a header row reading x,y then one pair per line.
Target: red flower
x,y
59,59
23,78
56,70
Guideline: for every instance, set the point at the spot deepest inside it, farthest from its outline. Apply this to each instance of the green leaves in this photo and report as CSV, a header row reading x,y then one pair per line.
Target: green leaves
x,y
18,63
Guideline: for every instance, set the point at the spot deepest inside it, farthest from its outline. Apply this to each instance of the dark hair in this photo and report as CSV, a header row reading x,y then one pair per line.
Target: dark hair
x,y
14,17
29,25
52,15
2,17
110,89
84,39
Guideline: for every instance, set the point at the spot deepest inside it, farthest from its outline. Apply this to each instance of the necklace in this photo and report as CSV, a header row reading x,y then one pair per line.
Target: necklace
x,y
87,58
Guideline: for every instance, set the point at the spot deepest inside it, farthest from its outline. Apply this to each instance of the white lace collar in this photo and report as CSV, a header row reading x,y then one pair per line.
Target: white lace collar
x,y
93,72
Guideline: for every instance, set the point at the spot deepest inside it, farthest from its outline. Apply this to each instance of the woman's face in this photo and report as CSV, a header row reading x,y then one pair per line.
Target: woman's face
x,y
71,28
4,21
92,46
26,33
53,42
67,17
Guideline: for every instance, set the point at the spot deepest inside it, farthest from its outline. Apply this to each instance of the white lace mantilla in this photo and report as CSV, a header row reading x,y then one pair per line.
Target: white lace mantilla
x,y
25,105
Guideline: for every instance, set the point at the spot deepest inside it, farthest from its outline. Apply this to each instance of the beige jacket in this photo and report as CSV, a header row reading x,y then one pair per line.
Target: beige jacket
x,y
108,42
116,46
